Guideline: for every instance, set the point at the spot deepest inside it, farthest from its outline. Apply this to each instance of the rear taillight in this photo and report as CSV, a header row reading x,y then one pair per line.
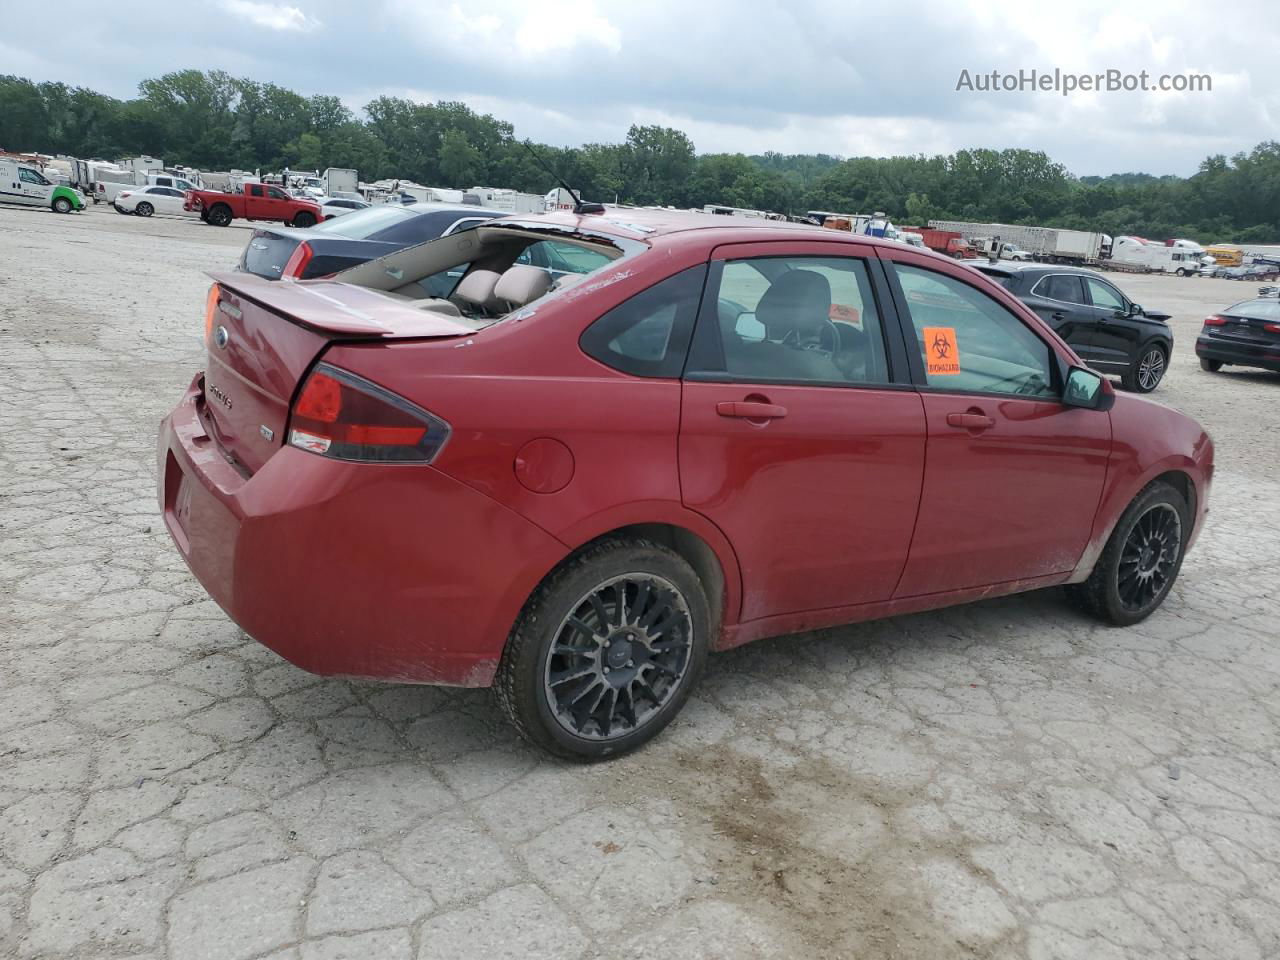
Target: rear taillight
x,y
1215,321
1271,327
345,417
210,308
124,194
297,264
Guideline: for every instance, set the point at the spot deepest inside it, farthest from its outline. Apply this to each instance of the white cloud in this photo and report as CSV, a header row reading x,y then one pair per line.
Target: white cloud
x,y
530,30
273,16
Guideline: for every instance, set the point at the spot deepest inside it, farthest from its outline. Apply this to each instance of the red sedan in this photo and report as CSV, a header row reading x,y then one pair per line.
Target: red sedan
x,y
454,466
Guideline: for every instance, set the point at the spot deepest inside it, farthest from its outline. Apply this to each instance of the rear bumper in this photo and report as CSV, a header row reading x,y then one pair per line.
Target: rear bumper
x,y
1245,354
387,571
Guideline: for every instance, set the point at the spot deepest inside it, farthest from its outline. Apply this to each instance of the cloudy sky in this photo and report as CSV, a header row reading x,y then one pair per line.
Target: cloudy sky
x,y
847,77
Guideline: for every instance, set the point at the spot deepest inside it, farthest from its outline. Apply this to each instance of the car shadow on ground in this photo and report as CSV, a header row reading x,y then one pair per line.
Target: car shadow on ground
x,y
446,725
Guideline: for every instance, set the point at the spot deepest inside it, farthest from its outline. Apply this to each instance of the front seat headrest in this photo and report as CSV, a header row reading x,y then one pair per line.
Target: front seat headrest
x,y
799,300
522,284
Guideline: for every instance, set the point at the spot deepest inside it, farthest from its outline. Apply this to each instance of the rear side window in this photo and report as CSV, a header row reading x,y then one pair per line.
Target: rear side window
x,y
792,320
648,335
970,343
1061,286
562,257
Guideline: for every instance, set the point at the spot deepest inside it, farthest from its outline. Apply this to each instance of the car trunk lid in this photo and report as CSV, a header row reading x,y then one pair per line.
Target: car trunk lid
x,y
264,336
1260,331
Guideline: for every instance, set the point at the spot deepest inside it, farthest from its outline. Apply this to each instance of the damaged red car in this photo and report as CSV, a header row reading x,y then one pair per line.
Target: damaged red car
x,y
453,465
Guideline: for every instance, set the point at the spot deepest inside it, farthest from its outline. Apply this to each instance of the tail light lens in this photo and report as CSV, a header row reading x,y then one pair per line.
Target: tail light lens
x,y
297,264
1215,321
1271,327
125,193
345,417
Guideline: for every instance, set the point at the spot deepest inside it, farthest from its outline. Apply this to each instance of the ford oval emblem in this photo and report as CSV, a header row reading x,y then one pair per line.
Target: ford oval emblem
x,y
220,337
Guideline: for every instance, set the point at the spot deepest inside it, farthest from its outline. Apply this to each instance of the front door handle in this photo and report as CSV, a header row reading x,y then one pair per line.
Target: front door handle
x,y
1058,316
750,410
970,421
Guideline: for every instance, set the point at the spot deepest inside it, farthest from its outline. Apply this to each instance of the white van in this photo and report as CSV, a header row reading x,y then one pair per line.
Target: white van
x,y
23,184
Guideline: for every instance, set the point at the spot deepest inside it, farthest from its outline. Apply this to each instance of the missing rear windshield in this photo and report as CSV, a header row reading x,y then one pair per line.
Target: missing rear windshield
x,y
494,271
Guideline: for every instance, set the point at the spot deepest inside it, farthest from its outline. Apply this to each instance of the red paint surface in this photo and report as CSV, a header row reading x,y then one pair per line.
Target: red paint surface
x,y
859,503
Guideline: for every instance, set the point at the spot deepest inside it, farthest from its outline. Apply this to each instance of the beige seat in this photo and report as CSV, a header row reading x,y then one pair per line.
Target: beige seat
x,y
477,288
521,284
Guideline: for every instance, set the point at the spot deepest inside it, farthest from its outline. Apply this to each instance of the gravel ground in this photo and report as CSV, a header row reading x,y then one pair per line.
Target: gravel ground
x,y
1000,780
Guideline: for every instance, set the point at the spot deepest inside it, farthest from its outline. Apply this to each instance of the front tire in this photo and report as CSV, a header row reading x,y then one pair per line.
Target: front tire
x,y
1141,560
1147,370
606,651
1213,366
144,209
61,205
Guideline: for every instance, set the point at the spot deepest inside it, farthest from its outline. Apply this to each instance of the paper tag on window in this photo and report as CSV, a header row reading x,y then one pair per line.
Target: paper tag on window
x,y
845,314
941,351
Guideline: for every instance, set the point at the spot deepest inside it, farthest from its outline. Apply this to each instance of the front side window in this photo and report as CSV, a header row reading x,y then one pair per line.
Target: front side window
x,y
1105,295
30,176
648,335
275,193
792,319
562,257
970,343
1061,286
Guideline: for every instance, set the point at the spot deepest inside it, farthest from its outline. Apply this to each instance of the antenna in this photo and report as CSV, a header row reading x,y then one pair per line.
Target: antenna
x,y
578,206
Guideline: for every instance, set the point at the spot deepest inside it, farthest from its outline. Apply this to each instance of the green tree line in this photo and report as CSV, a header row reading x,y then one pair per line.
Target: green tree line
x,y
213,121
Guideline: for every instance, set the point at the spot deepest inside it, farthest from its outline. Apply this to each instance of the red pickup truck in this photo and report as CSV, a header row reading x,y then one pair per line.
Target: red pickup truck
x,y
260,201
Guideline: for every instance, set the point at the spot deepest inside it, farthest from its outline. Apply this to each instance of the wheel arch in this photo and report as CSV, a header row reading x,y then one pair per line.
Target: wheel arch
x,y
691,536
1178,472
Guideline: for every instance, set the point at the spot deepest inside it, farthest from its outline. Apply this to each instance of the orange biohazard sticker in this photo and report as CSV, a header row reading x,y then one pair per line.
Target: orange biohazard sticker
x,y
941,351
845,313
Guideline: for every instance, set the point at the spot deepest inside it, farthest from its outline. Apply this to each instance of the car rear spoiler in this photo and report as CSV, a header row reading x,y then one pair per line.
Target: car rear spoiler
x,y
344,309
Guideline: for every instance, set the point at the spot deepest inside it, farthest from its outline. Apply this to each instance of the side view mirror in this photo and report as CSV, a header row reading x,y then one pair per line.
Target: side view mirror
x,y
1135,310
1087,390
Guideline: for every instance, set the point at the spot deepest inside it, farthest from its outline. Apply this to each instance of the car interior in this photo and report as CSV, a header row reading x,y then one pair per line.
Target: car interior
x,y
476,274
796,331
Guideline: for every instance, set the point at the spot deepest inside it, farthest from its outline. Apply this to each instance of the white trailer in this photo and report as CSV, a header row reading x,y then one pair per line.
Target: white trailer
x,y
1047,244
1141,254
341,181
508,201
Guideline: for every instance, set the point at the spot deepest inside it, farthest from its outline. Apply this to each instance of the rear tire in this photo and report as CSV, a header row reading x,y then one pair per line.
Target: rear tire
x,y
606,651
220,215
1147,370
304,219
1141,560
144,209
61,205
1213,366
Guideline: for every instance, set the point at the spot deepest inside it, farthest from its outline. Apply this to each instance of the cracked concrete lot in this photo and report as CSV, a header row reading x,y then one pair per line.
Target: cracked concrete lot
x,y
1001,780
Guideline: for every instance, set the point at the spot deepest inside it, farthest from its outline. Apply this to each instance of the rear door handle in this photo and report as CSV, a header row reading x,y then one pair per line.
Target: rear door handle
x,y
970,421
1058,316
750,410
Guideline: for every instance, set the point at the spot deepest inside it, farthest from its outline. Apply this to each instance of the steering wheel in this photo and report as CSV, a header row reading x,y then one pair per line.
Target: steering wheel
x,y
828,332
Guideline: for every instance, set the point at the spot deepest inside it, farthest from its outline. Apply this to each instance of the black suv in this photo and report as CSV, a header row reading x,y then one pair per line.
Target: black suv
x,y
1108,330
